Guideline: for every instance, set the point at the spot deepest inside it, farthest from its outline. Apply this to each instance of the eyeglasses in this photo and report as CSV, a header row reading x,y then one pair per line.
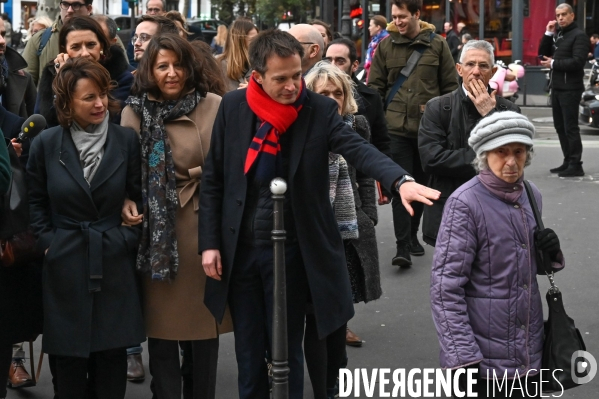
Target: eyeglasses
x,y
483,67
75,6
154,10
143,37
308,43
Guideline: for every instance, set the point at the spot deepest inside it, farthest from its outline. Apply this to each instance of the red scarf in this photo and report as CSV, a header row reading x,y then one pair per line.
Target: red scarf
x,y
275,119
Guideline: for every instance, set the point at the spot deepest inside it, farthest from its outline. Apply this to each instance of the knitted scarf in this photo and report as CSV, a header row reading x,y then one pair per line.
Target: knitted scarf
x,y
275,118
158,252
372,47
510,192
341,192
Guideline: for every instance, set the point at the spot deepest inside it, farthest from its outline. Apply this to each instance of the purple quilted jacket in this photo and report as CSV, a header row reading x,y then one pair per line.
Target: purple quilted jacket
x,y
484,294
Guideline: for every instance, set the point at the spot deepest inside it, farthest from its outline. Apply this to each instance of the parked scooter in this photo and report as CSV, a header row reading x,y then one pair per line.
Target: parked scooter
x,y
505,80
588,110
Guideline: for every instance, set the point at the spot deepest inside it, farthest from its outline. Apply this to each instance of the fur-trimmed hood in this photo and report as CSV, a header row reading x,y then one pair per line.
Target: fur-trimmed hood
x,y
391,27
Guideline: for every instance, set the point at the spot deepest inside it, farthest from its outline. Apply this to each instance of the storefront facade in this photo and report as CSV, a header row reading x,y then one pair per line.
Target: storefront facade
x,y
20,11
514,27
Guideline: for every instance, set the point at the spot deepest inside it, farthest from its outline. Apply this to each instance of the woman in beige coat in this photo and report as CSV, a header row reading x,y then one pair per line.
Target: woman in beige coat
x,y
173,113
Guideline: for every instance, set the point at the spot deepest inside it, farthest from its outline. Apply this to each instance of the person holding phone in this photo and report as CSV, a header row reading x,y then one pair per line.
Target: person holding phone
x,y
564,50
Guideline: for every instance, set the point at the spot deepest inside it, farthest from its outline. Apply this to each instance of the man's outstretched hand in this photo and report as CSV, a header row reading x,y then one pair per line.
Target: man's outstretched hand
x,y
411,191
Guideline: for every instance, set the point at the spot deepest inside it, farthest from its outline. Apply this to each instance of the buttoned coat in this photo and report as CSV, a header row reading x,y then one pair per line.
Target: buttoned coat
x,y
175,310
62,204
317,130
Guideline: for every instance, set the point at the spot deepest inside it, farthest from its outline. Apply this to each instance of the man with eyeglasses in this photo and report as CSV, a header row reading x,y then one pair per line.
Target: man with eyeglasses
x,y
154,8
36,60
312,42
149,26
564,49
446,126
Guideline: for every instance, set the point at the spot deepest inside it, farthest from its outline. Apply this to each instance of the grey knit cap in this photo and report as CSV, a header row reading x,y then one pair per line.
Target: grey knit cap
x,y
501,128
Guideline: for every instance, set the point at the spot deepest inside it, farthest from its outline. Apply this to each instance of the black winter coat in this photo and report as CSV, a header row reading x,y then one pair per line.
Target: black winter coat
x,y
317,130
371,106
363,256
453,41
569,49
444,150
80,225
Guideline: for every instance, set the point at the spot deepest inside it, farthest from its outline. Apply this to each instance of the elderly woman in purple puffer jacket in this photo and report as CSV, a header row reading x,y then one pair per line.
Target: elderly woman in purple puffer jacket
x,y
484,293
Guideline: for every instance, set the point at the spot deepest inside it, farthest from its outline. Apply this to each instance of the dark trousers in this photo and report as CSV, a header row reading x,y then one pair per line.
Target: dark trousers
x,y
404,152
107,369
565,119
324,358
251,304
165,367
5,359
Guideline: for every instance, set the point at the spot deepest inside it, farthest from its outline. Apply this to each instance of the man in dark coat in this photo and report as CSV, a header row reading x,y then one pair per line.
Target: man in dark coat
x,y
453,41
235,216
342,53
564,48
446,126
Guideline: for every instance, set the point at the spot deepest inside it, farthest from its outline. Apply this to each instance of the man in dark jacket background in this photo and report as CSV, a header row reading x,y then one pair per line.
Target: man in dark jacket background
x,y
433,76
343,54
446,126
564,49
453,41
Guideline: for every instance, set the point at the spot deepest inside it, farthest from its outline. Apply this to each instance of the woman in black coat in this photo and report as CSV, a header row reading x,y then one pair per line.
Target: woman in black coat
x,y
79,176
84,37
356,226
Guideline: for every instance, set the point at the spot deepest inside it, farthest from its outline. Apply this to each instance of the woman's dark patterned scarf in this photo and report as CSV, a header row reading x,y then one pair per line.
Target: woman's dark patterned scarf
x,y
158,252
275,119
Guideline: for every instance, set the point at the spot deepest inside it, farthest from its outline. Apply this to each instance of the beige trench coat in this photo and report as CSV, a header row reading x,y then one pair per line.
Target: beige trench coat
x,y
175,310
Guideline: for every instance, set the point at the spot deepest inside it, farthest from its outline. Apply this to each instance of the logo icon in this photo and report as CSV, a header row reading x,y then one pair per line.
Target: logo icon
x,y
583,367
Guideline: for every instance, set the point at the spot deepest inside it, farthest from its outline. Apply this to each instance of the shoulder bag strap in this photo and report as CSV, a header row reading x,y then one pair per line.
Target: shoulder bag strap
x,y
535,210
44,40
407,70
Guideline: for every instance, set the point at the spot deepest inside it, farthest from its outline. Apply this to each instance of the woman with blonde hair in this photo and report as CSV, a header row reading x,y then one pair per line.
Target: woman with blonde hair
x,y
235,59
218,41
352,197
38,24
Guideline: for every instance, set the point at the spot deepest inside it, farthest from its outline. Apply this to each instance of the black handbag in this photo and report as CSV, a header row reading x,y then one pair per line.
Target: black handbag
x,y
17,242
562,338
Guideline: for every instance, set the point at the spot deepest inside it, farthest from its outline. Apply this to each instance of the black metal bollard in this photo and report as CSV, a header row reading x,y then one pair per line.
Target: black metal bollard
x,y
280,364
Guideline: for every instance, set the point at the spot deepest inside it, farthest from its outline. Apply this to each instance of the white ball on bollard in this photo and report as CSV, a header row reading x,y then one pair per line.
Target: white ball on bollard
x,y
278,186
